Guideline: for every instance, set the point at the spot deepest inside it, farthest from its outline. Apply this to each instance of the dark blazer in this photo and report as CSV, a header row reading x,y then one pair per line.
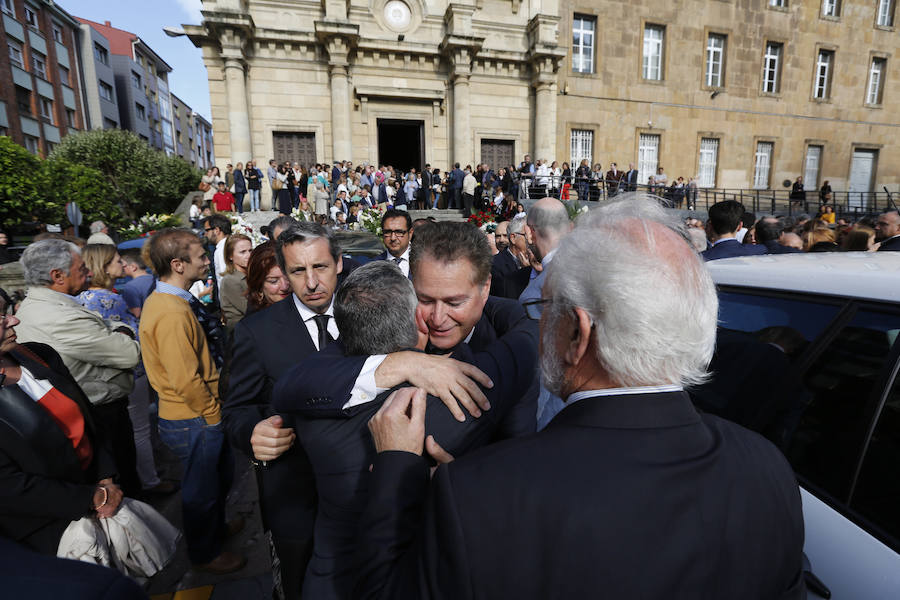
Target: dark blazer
x,y
730,249
631,178
26,574
503,265
240,184
42,485
891,245
340,447
513,284
773,247
267,344
634,496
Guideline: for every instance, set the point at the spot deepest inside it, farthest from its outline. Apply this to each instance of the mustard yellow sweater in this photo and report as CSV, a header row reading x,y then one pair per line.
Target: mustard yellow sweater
x,y
178,362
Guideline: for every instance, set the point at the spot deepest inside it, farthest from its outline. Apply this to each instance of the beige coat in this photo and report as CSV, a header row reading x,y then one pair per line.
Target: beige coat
x,y
99,358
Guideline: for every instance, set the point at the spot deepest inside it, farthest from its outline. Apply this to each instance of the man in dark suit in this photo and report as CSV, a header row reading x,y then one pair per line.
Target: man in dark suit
x,y
887,230
455,187
725,220
630,178
504,262
333,430
613,177
267,344
769,231
396,231
629,492
511,284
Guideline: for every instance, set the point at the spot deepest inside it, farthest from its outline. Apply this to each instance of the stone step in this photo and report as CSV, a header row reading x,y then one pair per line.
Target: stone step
x,y
437,215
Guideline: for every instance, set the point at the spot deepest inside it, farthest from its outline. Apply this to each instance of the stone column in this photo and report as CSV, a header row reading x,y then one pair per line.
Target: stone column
x,y
545,121
341,136
462,128
238,113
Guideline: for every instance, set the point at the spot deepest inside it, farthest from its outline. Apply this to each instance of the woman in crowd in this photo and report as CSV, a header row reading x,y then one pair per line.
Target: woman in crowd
x,y
305,209
55,466
825,193
105,265
860,239
820,239
251,175
290,183
436,187
597,178
211,179
266,283
410,189
284,194
320,198
566,181
826,214
391,189
233,285
555,179
240,187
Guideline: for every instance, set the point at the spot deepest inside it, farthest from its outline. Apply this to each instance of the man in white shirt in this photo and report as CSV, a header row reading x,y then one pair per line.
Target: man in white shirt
x,y
217,228
396,230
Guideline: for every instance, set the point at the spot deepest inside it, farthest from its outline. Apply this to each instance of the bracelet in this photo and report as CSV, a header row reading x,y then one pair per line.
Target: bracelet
x,y
105,497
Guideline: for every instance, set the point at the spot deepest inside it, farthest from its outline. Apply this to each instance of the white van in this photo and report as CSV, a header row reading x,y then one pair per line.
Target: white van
x,y
835,317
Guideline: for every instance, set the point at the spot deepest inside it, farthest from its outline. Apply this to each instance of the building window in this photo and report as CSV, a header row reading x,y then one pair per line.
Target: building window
x,y
582,146
648,156
772,68
101,54
7,7
57,32
876,77
583,44
653,52
106,91
31,144
3,131
15,53
715,60
831,8
31,16
39,64
141,112
822,88
63,75
109,124
70,117
762,165
23,100
136,81
778,3
709,158
811,166
46,108
885,16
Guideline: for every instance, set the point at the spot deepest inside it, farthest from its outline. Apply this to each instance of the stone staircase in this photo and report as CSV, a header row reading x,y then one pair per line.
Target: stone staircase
x,y
438,215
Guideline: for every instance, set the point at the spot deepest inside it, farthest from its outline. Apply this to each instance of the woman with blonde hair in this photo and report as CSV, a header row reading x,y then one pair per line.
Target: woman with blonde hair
x,y
233,284
820,239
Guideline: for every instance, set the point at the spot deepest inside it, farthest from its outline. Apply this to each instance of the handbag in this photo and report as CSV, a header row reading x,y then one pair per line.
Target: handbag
x,y
203,187
277,184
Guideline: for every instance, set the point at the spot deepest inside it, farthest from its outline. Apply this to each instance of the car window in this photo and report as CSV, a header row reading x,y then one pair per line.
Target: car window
x,y
843,383
877,493
752,313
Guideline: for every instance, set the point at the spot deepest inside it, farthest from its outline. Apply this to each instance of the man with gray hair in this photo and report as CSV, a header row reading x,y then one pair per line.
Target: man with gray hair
x,y
100,355
547,224
100,234
630,491
336,441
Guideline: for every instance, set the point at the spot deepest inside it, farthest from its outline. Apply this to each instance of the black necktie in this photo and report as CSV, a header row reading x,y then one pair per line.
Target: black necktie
x,y
322,324
398,260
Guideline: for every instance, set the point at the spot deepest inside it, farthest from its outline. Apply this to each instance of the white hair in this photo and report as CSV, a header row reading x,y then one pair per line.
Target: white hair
x,y
97,226
40,258
652,300
517,224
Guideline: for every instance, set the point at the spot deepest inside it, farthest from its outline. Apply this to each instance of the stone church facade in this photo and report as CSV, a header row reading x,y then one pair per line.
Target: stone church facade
x,y
739,93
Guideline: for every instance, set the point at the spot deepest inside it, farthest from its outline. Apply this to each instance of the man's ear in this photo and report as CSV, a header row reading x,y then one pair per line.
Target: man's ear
x,y
578,331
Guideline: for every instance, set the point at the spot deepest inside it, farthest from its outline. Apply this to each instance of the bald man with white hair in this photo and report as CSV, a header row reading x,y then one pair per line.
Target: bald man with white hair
x,y
547,224
630,492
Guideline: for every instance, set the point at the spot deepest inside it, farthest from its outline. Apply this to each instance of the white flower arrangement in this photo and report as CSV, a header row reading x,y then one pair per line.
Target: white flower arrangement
x,y
239,225
149,224
370,220
299,215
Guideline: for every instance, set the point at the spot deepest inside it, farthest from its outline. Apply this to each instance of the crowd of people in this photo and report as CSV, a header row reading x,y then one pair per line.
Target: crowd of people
x,y
568,456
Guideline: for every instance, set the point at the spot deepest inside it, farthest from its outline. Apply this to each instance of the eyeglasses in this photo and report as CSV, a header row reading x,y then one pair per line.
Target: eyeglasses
x,y
397,232
208,228
533,308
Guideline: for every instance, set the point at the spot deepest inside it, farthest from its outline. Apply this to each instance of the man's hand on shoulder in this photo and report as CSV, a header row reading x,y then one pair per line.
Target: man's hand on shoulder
x,y
454,382
399,425
270,439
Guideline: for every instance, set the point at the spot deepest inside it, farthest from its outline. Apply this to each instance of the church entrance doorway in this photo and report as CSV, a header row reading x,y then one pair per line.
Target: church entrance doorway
x,y
401,144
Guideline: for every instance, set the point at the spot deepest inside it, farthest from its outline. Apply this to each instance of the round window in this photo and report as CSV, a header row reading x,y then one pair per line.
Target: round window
x,y
397,14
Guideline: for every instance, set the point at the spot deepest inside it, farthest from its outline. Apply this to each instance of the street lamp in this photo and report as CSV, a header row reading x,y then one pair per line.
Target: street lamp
x,y
174,31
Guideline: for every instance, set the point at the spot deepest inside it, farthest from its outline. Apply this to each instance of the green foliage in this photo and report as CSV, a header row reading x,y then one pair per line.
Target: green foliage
x,y
85,186
177,178
23,188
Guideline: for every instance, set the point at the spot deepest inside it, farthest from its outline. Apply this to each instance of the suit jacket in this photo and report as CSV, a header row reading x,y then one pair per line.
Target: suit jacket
x,y
661,502
631,178
26,574
267,344
340,447
42,485
890,245
503,265
773,247
730,249
513,284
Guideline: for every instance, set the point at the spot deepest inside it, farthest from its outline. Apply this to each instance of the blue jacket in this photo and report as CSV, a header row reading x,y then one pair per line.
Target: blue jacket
x,y
730,248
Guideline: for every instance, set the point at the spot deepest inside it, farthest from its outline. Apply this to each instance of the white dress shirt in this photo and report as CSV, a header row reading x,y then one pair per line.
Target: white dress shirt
x,y
403,263
219,259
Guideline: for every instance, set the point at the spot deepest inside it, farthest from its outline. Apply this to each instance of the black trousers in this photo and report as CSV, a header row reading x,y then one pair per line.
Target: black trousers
x,y
468,202
293,555
113,418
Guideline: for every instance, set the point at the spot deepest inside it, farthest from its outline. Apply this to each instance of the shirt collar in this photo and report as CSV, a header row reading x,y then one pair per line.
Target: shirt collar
x,y
167,288
306,313
45,293
546,260
624,391
404,256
